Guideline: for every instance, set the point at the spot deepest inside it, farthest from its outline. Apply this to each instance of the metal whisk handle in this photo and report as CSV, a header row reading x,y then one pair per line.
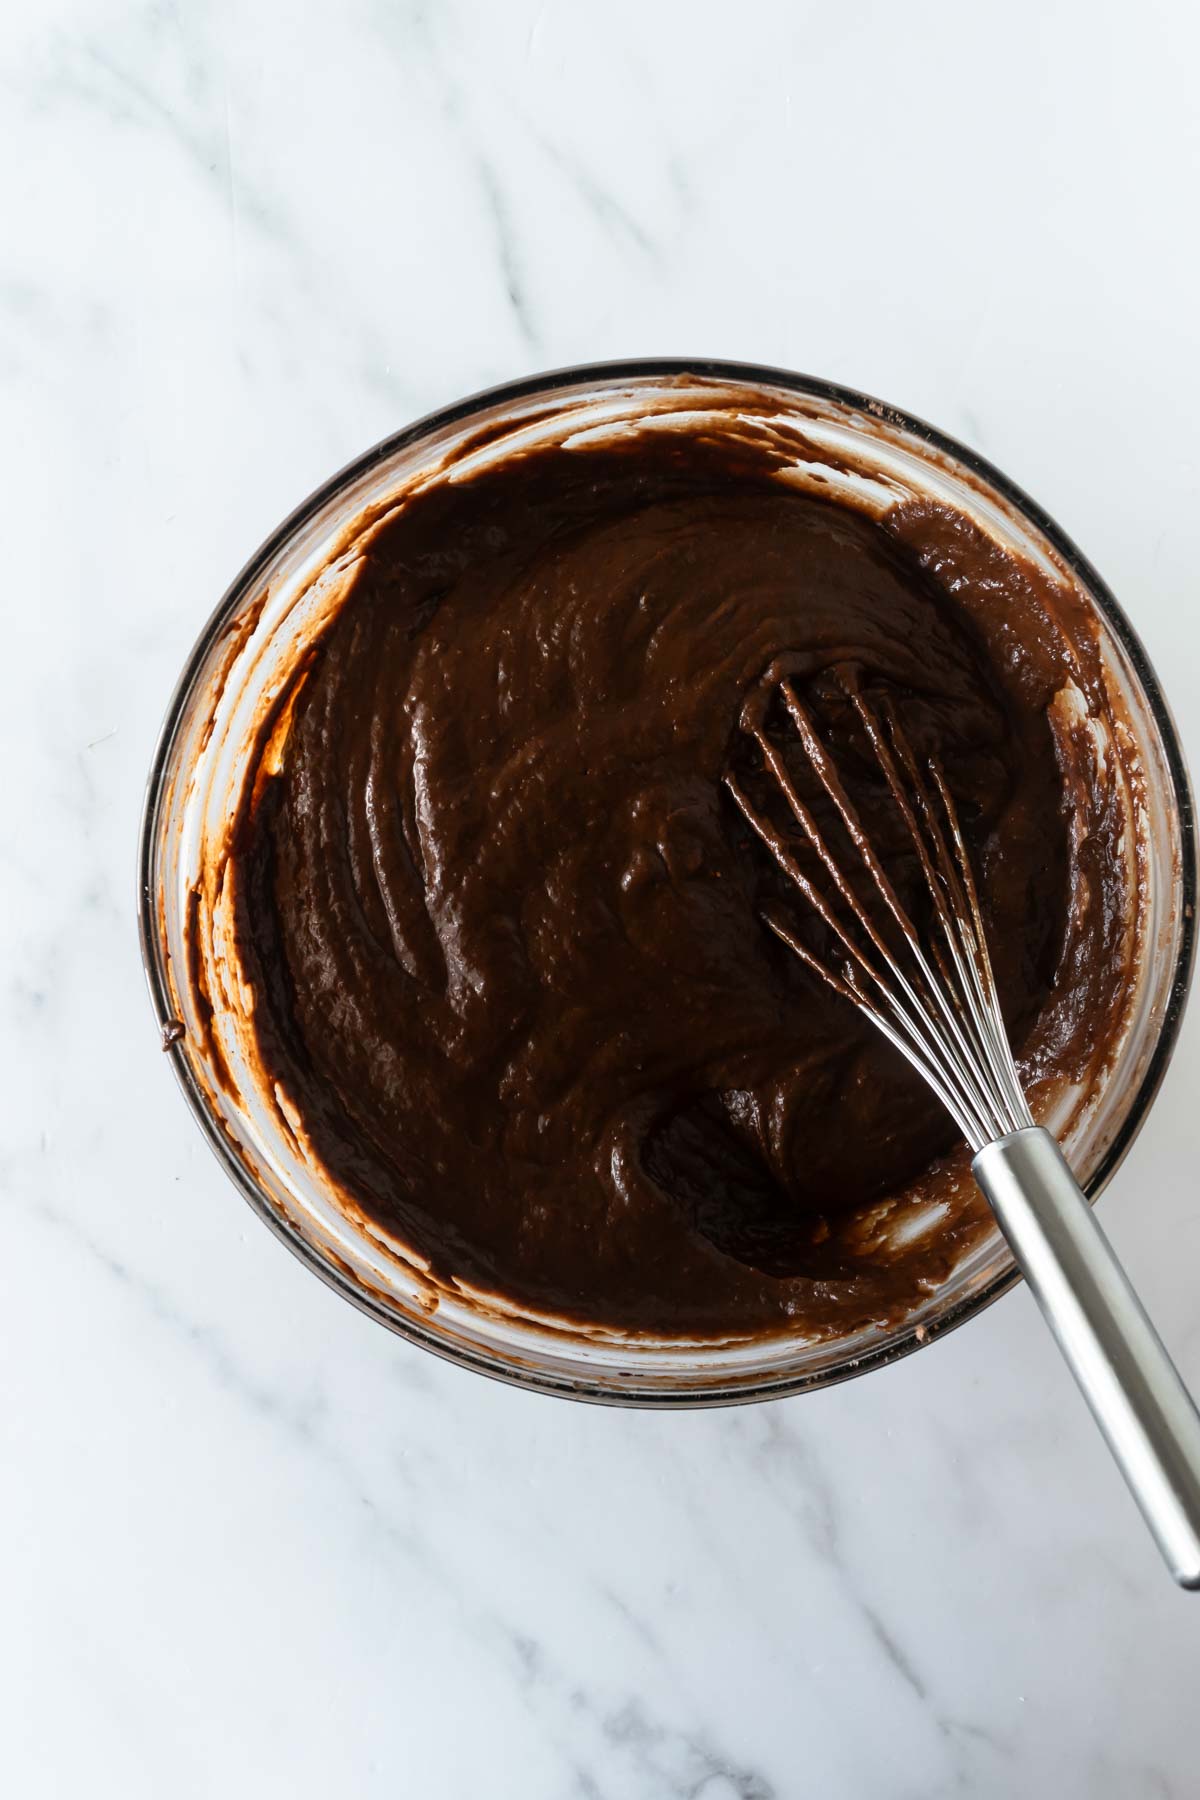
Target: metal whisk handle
x,y
1115,1354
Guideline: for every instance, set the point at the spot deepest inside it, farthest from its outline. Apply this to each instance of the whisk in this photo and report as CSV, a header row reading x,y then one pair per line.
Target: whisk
x,y
930,989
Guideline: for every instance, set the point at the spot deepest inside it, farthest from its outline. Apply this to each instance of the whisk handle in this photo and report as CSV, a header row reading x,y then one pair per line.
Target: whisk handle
x,y
1115,1354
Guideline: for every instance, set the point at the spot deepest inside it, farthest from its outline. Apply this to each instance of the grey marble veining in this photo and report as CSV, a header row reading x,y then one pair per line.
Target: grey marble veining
x,y
249,1543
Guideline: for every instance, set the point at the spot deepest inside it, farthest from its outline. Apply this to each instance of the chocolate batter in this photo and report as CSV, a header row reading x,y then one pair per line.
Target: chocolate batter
x,y
502,921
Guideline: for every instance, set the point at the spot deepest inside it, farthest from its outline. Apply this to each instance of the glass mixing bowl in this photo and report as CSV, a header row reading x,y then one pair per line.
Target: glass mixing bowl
x,y
878,454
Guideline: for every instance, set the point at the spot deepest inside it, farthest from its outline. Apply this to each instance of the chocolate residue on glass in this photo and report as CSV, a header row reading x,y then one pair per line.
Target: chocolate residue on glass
x,y
501,920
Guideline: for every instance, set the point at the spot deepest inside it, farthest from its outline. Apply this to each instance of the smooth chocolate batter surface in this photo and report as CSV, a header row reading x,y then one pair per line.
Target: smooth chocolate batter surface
x,y
503,923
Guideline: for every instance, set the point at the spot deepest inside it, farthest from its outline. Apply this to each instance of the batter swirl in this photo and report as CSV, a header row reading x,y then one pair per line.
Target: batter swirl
x,y
502,922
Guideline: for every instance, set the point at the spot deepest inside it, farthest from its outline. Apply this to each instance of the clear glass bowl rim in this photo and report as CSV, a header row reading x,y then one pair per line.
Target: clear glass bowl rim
x,y
549,383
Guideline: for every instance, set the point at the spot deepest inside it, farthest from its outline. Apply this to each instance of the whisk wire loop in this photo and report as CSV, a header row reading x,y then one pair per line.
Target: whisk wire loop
x,y
942,1010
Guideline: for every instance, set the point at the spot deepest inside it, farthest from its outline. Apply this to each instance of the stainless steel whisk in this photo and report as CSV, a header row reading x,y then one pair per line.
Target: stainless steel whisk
x,y
932,993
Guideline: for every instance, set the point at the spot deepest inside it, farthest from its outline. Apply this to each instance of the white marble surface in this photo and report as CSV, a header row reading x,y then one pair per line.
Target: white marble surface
x,y
250,1544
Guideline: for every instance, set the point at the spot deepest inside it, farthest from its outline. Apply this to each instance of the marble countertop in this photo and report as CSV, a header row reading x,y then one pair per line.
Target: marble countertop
x,y
249,1543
